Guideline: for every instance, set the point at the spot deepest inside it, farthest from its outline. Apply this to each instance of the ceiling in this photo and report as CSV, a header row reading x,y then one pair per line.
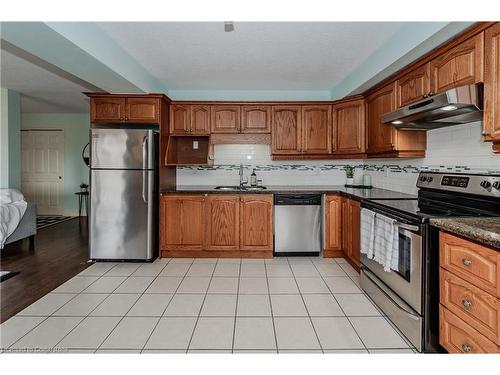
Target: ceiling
x,y
255,56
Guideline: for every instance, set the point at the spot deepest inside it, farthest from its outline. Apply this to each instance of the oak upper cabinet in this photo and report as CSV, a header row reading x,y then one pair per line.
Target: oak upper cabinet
x,y
349,127
225,118
381,138
333,226
459,66
413,86
199,119
142,110
182,222
255,119
286,131
222,222
107,110
316,129
256,222
180,122
189,119
492,85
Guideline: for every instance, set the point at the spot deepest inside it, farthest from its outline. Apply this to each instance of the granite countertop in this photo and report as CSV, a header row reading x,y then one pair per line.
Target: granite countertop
x,y
355,193
485,230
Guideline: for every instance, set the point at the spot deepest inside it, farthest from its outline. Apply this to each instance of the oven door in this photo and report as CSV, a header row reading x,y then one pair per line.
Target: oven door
x,y
406,282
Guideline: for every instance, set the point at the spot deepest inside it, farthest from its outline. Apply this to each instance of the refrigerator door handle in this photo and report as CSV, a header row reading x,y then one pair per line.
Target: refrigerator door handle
x,y
145,152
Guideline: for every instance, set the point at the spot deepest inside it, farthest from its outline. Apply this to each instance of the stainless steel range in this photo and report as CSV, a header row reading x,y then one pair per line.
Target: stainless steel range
x,y
409,293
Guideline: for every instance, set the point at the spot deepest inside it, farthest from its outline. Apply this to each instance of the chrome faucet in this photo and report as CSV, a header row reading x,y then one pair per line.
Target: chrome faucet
x,y
242,181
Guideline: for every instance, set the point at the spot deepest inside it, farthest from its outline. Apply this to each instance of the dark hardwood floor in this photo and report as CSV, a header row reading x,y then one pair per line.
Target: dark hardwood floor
x,y
61,252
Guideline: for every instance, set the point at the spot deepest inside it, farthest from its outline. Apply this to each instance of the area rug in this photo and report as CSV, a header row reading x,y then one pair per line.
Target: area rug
x,y
44,221
4,275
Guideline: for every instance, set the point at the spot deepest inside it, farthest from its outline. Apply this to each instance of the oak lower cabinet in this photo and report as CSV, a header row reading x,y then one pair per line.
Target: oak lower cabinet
x,y
333,227
491,121
469,310
216,225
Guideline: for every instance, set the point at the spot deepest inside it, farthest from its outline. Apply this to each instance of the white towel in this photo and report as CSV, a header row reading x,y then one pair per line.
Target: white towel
x,y
386,242
367,232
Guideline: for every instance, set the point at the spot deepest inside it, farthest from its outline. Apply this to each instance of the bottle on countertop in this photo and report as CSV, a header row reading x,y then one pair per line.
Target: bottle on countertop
x,y
253,178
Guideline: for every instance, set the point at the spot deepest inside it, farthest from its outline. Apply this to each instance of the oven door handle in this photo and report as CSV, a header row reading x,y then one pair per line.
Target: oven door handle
x,y
407,226
406,312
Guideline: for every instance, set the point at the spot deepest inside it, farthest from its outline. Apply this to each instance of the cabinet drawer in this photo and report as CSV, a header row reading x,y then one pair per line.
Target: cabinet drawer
x,y
477,307
472,262
456,336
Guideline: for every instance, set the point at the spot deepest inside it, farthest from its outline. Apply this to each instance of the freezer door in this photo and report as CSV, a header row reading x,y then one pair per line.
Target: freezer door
x,y
122,149
121,214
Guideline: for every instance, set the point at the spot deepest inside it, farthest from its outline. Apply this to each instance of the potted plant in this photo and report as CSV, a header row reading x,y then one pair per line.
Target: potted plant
x,y
84,187
349,173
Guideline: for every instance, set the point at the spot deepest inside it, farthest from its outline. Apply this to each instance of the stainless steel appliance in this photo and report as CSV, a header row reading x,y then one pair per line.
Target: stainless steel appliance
x,y
123,193
409,296
459,105
297,224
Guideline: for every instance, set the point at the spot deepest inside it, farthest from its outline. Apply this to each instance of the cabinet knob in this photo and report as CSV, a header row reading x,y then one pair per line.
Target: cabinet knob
x,y
430,94
126,118
466,304
466,262
466,348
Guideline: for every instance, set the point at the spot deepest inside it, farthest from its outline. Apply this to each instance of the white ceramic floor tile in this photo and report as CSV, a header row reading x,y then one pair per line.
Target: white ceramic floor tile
x,y
254,333
377,333
278,270
130,333
253,305
118,351
135,284
255,351
185,305
150,305
172,333
276,260
356,305
90,333
213,333
227,270
336,333
322,305
229,260
181,261
205,261
341,285
194,285
76,284
115,305
312,285
149,269
202,269
330,269
304,269
349,269
340,260
81,305
282,285
123,269
253,285
164,285
163,351
47,334
47,305
106,284
224,285
288,305
346,351
299,260
321,260
253,270
209,351
295,333
356,280
16,327
162,260
301,351
252,261
219,305
175,269
391,351
97,269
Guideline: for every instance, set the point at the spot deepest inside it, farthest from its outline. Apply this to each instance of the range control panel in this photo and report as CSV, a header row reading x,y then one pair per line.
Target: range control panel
x,y
488,185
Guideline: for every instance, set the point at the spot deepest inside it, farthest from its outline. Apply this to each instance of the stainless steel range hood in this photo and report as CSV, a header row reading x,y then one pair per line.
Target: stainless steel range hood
x,y
460,105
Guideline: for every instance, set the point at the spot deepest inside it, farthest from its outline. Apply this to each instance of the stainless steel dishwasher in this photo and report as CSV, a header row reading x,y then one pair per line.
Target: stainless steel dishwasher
x,y
297,224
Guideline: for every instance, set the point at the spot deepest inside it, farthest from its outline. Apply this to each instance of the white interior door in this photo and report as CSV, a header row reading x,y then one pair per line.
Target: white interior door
x,y
42,178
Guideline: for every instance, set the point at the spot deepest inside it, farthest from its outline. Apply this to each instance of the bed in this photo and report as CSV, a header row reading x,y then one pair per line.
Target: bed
x,y
26,227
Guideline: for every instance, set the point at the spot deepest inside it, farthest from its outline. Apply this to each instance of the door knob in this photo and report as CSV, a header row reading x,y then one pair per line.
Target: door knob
x,y
60,177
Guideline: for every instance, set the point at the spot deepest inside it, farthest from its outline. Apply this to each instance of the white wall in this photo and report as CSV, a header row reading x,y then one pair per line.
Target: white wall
x,y
456,148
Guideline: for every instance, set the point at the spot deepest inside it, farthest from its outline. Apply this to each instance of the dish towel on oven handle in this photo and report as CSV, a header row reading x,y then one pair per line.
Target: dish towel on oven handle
x,y
367,232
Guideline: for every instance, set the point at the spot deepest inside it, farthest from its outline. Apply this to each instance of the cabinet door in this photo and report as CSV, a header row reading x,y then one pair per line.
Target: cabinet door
x,y
345,227
256,222
349,128
200,119
381,138
222,222
492,83
286,136
354,219
256,119
107,110
143,110
179,119
316,129
182,222
225,118
333,222
459,66
413,86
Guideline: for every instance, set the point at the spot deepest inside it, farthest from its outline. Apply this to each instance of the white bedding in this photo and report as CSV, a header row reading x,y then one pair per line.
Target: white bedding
x,y
12,208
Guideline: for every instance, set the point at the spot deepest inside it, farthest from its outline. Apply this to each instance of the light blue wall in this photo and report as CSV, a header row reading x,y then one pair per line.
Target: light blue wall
x,y
76,135
10,139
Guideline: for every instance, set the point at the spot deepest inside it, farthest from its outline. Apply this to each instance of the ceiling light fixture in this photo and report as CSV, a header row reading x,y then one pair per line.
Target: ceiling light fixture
x,y
228,26
449,108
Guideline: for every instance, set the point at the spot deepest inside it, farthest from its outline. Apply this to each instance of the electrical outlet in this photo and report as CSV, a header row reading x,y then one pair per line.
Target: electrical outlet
x,y
195,145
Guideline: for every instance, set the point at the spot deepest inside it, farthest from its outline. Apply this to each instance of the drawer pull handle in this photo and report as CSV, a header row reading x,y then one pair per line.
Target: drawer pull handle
x,y
467,304
466,348
466,262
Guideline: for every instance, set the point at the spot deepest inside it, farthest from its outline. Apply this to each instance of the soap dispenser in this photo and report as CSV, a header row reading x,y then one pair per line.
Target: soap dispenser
x,y
253,178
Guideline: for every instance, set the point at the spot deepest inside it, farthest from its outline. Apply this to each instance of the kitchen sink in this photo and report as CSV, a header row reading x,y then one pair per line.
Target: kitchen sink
x,y
228,188
240,188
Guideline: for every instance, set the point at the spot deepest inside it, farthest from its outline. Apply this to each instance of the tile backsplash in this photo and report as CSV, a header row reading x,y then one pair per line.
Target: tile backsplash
x,y
456,148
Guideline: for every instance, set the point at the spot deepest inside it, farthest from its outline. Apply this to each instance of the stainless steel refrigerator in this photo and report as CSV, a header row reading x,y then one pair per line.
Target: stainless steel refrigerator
x,y
123,194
